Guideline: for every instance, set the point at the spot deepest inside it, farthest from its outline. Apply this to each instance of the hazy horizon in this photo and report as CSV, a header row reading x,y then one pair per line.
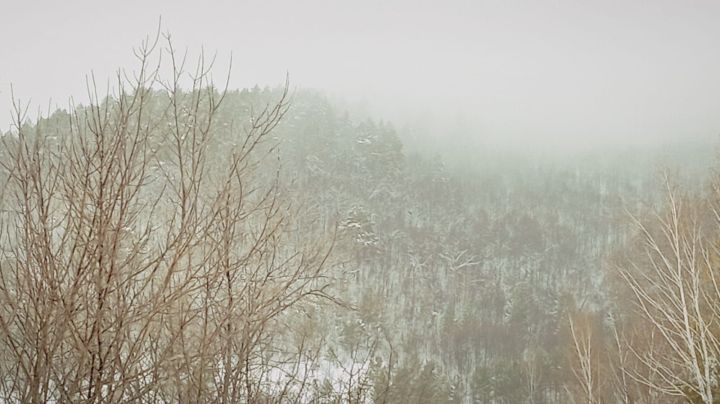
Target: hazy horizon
x,y
510,73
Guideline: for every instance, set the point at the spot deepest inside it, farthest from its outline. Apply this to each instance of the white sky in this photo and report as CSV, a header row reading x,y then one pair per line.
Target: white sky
x,y
569,71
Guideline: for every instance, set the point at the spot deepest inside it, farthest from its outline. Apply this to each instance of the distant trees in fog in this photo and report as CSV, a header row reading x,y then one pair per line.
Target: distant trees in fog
x,y
181,242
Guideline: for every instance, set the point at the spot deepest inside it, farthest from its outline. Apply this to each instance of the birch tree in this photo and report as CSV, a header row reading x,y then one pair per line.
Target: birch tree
x,y
675,290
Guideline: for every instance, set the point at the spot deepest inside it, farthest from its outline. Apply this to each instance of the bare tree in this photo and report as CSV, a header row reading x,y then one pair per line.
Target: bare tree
x,y
675,288
145,261
587,364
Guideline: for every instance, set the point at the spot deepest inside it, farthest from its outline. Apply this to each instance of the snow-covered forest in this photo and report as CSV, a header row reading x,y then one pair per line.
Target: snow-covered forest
x,y
178,239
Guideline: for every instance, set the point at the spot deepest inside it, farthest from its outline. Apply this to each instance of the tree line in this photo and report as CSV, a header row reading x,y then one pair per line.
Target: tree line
x,y
178,241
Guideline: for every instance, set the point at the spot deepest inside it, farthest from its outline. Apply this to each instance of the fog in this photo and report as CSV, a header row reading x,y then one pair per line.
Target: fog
x,y
552,74
448,202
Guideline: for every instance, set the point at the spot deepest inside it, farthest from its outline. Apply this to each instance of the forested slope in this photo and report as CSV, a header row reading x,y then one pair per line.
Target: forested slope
x,y
441,285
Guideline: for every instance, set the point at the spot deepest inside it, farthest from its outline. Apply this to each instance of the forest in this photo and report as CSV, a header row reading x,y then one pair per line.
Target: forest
x,y
179,240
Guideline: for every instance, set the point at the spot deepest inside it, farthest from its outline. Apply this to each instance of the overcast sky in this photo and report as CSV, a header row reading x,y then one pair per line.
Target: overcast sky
x,y
570,71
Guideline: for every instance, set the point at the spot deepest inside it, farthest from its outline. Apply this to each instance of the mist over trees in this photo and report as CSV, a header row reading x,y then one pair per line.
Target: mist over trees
x,y
177,240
